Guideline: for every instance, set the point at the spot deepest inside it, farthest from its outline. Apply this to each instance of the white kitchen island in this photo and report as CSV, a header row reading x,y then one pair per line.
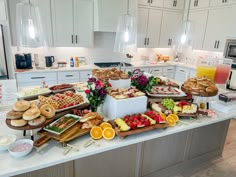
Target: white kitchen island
x,y
155,153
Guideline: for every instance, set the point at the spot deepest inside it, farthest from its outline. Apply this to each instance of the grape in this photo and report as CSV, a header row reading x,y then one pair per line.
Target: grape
x,y
168,103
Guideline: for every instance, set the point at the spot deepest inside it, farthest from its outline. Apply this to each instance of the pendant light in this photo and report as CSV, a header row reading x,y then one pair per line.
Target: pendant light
x,y
29,26
186,27
126,33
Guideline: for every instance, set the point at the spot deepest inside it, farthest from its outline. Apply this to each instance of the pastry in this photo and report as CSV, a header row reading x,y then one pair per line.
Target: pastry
x,y
14,115
31,114
124,76
89,116
38,121
47,110
18,122
21,105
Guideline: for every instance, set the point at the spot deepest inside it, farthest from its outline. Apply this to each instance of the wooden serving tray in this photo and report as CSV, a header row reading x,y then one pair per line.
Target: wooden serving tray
x,y
48,121
203,94
136,131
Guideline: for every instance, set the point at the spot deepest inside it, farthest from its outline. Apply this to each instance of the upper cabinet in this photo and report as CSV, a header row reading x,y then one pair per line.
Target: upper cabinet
x,y
72,23
218,28
149,25
197,29
107,12
3,12
221,2
154,3
196,4
174,4
170,28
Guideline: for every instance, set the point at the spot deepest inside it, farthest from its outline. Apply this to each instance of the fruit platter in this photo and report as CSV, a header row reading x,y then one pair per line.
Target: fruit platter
x,y
181,108
63,101
142,122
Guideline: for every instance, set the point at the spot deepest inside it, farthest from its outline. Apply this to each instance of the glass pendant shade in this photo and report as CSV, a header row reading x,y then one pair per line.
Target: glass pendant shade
x,y
126,34
29,26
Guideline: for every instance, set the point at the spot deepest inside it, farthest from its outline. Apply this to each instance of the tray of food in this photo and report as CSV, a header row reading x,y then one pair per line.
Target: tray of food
x,y
109,74
62,124
164,81
165,91
124,93
61,88
180,108
200,86
33,92
63,101
136,123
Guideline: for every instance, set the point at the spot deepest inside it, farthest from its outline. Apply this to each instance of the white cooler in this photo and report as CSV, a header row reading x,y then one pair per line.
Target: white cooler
x,y
114,108
122,83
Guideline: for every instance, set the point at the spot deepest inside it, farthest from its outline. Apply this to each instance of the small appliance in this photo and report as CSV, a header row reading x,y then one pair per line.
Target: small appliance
x,y
49,60
231,84
110,64
4,73
230,49
23,61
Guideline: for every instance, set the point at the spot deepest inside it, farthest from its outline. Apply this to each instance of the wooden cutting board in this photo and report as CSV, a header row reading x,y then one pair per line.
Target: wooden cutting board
x,y
136,131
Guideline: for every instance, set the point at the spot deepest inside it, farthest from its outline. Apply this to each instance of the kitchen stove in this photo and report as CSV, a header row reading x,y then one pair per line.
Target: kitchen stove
x,y
110,64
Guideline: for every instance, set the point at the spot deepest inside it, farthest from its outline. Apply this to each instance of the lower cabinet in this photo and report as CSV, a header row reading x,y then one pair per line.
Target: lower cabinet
x,y
116,163
61,170
163,152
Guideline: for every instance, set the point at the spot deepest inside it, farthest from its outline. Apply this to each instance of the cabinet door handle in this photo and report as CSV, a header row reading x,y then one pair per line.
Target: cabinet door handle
x,y
169,69
197,3
223,1
37,77
218,43
194,4
147,41
69,75
76,39
182,70
176,3
215,44
170,41
72,39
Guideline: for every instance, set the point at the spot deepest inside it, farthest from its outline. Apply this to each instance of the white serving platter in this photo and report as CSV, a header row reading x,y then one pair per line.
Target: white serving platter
x,y
180,94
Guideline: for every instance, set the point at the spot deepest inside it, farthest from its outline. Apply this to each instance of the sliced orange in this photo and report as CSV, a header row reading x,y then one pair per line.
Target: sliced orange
x,y
96,132
175,117
171,120
108,133
163,116
105,125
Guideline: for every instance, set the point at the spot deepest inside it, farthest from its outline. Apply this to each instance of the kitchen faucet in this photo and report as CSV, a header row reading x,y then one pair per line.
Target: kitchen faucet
x,y
122,64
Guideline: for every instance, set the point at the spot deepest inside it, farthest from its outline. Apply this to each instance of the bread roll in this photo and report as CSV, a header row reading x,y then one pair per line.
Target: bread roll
x,y
21,105
31,114
18,122
14,115
38,121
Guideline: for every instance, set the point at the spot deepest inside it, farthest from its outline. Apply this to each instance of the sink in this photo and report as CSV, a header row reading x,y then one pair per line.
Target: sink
x,y
110,64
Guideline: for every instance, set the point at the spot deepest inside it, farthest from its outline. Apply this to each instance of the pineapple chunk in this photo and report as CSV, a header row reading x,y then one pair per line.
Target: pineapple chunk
x,y
122,125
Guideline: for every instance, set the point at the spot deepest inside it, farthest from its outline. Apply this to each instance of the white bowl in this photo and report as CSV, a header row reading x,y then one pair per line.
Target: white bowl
x,y
21,148
6,140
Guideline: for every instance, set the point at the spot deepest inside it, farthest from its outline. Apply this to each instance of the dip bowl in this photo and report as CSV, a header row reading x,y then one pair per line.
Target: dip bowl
x,y
21,148
6,140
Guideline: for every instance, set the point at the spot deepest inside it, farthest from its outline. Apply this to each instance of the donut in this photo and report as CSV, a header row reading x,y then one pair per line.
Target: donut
x,y
31,114
48,111
21,105
14,115
38,121
18,122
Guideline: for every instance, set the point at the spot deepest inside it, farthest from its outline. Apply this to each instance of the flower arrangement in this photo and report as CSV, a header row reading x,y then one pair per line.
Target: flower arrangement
x,y
96,92
142,81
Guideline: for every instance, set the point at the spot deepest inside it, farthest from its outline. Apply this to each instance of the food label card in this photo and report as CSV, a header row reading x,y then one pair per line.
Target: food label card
x,y
8,92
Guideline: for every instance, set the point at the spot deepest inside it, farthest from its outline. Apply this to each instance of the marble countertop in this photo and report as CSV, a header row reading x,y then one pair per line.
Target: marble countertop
x,y
91,66
53,153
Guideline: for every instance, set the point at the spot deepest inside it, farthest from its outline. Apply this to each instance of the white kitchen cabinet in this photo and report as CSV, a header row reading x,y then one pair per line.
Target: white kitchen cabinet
x,y
149,26
181,74
72,23
153,3
3,12
171,28
218,27
192,73
107,12
197,29
68,75
174,4
214,3
156,71
198,4
45,12
84,75
169,75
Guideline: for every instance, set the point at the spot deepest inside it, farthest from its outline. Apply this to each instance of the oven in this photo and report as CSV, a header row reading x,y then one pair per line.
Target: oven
x,y
230,49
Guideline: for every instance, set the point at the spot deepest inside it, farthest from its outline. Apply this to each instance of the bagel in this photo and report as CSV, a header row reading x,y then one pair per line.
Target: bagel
x,y
38,121
14,115
21,106
48,111
31,114
18,122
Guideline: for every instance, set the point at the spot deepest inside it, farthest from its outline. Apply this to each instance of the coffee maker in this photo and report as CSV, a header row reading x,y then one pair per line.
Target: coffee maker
x,y
23,61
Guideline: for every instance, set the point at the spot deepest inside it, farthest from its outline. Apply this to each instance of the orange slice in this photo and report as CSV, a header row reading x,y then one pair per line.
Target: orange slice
x,y
105,125
96,132
175,117
171,120
108,133
163,116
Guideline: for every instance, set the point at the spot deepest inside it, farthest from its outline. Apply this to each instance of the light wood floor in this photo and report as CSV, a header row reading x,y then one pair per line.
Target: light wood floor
x,y
224,167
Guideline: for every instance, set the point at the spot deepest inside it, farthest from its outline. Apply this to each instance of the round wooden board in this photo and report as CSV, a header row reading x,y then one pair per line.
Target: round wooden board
x,y
28,127
204,94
